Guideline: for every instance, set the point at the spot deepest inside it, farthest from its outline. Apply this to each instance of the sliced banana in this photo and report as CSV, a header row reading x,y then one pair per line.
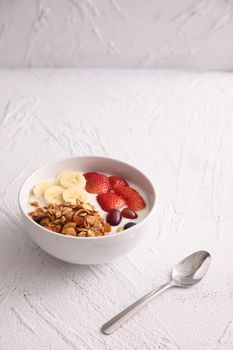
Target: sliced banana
x,y
57,178
69,179
71,194
83,196
39,189
53,194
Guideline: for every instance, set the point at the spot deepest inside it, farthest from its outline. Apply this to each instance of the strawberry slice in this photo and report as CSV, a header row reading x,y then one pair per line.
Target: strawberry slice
x,y
110,200
123,191
89,174
97,183
116,180
135,201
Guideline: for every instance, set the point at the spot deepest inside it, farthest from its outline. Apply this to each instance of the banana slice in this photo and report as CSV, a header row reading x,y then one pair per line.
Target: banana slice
x,y
73,193
39,189
53,194
83,196
69,179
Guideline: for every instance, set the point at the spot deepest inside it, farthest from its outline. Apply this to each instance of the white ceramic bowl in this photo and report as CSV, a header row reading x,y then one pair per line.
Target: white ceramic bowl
x,y
87,250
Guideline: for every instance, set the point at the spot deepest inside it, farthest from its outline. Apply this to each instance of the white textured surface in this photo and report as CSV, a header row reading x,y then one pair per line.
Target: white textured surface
x,y
175,126
117,33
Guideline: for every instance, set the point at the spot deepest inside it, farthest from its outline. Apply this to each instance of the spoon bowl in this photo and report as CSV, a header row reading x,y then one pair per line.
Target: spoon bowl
x,y
191,269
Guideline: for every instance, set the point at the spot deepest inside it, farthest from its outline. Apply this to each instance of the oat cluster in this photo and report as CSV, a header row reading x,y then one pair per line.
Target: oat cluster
x,y
80,219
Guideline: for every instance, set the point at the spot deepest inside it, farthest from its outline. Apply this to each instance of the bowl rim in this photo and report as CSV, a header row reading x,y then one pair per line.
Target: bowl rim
x,y
108,236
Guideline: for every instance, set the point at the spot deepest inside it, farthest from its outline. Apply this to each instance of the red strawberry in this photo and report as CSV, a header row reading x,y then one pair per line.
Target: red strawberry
x,y
123,191
110,200
89,174
116,180
135,201
97,183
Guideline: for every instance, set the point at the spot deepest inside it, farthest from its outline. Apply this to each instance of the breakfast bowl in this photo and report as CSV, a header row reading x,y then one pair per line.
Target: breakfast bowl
x,y
88,250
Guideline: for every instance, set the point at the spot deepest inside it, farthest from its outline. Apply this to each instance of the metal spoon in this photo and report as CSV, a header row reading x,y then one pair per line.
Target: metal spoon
x,y
185,274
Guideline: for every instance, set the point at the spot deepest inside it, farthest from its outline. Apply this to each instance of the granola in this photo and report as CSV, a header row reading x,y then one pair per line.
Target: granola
x,y
80,219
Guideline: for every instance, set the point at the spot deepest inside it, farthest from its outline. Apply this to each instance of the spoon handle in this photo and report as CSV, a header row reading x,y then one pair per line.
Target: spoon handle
x,y
112,325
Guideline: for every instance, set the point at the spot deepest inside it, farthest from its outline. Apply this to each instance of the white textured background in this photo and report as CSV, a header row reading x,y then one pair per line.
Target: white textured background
x,y
117,33
175,126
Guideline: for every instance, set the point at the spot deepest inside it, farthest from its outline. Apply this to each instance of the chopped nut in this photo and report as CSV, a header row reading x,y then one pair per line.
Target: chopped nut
x,y
63,219
67,212
107,227
57,228
34,204
88,206
90,233
51,224
58,214
79,229
119,229
44,222
78,220
82,212
90,219
70,224
39,210
70,216
39,218
52,211
97,224
69,231
82,234
98,233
